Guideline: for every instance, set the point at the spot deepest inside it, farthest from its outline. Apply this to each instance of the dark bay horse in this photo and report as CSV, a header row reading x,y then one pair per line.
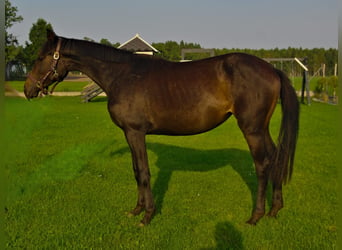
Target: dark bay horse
x,y
148,95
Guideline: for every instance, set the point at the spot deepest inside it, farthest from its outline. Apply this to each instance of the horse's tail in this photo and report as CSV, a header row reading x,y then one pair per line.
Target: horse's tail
x,y
282,167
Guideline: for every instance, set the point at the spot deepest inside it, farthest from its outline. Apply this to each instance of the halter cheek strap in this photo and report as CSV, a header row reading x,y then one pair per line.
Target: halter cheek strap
x,y
40,83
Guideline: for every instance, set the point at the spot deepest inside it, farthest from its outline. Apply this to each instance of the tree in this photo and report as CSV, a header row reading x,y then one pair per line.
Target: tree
x,y
105,41
11,49
116,45
37,38
171,50
88,39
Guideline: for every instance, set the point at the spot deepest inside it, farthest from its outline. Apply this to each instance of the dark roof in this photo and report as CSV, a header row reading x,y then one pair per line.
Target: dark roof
x,y
137,44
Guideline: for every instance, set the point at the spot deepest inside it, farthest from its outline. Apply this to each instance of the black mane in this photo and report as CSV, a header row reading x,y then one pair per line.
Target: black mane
x,y
75,47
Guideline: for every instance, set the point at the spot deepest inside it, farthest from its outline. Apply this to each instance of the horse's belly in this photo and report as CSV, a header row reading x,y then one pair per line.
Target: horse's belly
x,y
188,122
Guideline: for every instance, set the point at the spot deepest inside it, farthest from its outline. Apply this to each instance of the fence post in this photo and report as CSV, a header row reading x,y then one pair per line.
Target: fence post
x,y
305,83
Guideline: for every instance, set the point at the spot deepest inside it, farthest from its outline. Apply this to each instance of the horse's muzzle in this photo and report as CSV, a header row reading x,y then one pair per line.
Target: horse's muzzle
x,y
30,90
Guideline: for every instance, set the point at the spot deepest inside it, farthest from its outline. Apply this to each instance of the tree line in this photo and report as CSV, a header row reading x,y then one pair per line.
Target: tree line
x,y
170,50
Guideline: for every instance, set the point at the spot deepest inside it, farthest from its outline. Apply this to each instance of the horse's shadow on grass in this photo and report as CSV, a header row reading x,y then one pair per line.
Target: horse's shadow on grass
x,y
227,237
172,158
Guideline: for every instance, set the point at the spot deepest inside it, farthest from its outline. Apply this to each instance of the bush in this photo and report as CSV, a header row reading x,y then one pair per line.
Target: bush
x,y
321,85
327,85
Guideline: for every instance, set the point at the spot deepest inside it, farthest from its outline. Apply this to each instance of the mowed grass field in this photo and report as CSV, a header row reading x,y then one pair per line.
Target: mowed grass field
x,y
70,183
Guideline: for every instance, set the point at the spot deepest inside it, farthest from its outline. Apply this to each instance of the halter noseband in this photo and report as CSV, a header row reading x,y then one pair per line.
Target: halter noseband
x,y
40,83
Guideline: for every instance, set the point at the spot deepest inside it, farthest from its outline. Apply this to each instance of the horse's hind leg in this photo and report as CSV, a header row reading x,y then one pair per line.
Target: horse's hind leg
x,y
256,143
277,200
136,142
277,197
255,131
262,149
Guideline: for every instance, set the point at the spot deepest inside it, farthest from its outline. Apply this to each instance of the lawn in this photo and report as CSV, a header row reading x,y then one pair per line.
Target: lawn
x,y
70,183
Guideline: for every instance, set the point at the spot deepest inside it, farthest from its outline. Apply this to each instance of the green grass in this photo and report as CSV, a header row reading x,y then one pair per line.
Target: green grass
x,y
70,183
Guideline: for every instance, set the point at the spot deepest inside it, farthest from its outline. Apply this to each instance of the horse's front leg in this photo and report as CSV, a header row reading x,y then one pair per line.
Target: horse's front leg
x,y
136,142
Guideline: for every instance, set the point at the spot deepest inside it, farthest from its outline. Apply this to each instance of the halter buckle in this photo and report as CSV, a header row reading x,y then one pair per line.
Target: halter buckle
x,y
56,55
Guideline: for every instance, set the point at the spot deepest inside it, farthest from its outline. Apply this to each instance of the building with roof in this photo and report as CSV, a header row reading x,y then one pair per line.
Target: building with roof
x,y
138,45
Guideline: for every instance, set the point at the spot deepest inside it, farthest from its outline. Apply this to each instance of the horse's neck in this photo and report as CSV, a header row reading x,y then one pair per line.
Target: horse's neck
x,y
93,67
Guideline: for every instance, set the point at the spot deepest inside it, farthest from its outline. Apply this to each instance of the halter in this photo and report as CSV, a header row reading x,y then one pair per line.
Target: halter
x,y
40,83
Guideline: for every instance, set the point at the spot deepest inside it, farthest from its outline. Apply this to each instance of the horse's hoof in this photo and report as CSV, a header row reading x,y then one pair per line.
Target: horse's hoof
x,y
255,218
251,222
272,215
274,211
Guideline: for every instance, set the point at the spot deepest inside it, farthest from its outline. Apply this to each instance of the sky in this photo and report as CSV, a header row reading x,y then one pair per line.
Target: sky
x,y
220,24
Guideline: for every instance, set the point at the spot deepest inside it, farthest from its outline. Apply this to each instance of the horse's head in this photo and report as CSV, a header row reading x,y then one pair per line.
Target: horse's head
x,y
48,68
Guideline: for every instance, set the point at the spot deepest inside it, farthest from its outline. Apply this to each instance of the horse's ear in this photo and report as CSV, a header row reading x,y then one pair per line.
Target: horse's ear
x,y
50,34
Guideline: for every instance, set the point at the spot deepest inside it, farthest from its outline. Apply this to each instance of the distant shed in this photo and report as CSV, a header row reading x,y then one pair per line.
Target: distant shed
x,y
139,46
